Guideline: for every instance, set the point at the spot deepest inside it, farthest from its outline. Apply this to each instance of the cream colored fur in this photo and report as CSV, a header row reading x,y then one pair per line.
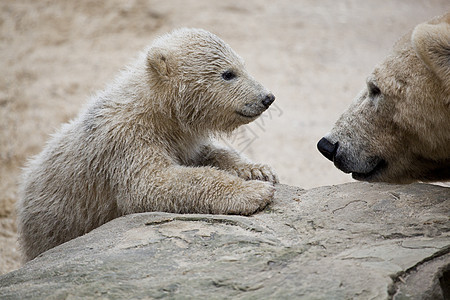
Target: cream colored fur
x,y
398,128
145,144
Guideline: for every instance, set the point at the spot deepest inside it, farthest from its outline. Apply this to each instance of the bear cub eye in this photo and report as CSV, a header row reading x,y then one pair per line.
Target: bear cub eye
x,y
228,75
373,89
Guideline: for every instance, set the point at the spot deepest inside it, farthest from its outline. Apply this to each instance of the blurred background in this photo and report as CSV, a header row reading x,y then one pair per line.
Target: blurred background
x,y
314,55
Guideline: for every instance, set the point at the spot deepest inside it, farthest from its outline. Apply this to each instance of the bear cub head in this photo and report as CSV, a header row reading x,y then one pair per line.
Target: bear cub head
x,y
202,83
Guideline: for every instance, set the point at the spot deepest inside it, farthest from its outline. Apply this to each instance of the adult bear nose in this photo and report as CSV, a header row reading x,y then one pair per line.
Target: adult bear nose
x,y
268,100
327,148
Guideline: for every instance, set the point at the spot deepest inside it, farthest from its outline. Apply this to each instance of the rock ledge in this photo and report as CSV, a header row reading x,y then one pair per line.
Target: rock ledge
x,y
357,240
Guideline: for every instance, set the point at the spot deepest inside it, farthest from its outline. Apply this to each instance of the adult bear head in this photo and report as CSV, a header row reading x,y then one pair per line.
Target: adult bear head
x,y
398,128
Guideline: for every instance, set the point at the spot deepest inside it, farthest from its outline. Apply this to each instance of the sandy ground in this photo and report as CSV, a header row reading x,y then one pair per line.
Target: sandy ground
x,y
313,54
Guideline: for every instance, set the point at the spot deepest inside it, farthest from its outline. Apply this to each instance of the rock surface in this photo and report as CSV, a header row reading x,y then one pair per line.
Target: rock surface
x,y
351,241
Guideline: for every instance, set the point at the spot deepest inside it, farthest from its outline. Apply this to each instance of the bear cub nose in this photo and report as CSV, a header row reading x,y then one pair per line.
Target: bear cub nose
x,y
327,148
268,100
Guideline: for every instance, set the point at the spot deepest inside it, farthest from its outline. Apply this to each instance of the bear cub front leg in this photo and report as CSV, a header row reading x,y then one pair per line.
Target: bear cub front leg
x,y
230,161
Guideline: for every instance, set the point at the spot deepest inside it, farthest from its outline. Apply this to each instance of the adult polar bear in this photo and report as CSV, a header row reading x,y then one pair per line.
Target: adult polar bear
x,y
398,128
143,144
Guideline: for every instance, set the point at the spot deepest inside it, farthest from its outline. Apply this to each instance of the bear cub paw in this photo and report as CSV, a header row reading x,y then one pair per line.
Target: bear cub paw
x,y
256,172
255,196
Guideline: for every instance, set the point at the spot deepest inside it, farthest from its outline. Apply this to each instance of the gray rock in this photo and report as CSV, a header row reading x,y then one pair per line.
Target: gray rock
x,y
351,241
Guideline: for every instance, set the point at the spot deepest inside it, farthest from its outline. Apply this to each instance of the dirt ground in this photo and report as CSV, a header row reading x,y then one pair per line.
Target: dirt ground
x,y
314,55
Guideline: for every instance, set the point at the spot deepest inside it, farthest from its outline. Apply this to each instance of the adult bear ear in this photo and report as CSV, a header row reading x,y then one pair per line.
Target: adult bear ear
x,y
159,62
431,41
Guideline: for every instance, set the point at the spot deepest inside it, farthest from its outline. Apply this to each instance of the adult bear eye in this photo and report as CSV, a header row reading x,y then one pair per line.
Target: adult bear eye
x,y
373,89
228,75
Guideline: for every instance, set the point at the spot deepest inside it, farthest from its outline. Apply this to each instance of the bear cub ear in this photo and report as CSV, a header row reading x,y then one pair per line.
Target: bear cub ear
x,y
432,44
159,62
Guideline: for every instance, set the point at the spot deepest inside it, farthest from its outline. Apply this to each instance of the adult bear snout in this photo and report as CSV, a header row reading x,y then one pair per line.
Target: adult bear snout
x,y
268,100
327,148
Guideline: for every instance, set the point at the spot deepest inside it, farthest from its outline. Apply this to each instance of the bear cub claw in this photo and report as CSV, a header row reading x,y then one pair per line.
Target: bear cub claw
x,y
256,172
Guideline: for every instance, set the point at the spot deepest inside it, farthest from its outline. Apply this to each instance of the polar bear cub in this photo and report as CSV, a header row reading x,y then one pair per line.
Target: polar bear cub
x,y
145,144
